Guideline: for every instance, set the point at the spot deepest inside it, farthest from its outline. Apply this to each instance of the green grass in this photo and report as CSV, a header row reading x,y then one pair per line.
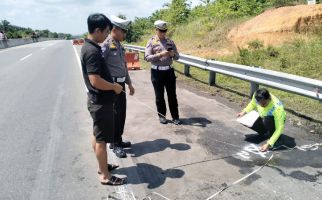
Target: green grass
x,y
302,111
200,33
303,58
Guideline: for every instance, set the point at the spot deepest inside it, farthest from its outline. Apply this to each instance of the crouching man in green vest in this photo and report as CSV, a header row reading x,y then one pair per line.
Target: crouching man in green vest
x,y
271,118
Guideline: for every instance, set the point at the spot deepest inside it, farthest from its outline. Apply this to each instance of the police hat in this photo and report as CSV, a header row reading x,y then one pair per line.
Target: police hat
x,y
161,25
120,23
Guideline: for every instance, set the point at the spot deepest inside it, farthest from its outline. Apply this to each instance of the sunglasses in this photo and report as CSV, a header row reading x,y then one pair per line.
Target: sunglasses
x,y
163,31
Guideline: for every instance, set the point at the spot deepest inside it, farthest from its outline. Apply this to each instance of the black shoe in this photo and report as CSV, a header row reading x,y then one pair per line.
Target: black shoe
x,y
119,152
125,144
163,120
177,122
121,144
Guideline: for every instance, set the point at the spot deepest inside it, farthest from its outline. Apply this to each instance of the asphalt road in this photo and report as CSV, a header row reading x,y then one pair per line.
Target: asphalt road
x,y
45,133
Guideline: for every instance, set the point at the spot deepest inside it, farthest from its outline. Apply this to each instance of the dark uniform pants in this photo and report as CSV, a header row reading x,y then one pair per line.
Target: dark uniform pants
x,y
165,79
120,115
264,125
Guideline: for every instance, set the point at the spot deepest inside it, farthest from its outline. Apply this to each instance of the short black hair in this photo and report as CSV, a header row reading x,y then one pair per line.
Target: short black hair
x,y
98,20
262,94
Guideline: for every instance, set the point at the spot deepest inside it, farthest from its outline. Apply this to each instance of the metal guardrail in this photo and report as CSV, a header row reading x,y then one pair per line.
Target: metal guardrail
x,y
287,82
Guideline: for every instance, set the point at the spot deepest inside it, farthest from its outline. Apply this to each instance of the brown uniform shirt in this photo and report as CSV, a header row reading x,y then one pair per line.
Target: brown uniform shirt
x,y
114,55
156,46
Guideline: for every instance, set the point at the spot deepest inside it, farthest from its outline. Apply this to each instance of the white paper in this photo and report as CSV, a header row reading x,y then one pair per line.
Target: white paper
x,y
249,119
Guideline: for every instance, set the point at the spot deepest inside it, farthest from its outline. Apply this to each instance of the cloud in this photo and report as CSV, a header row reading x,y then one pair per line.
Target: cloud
x,y
69,16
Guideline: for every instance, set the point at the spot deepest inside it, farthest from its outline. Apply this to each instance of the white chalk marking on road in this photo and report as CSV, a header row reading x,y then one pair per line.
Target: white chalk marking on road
x,y
24,58
241,179
124,191
161,195
252,148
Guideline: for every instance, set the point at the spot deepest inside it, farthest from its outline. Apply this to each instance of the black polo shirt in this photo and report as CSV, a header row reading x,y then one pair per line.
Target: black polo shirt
x,y
93,63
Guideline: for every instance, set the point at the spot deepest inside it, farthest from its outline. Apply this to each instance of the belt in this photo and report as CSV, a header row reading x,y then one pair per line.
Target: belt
x,y
119,79
161,68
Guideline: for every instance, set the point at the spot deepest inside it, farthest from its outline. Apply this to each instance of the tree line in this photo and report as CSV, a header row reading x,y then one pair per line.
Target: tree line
x,y
13,32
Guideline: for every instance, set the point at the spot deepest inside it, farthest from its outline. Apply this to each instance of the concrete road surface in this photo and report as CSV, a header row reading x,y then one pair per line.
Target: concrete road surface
x,y
45,132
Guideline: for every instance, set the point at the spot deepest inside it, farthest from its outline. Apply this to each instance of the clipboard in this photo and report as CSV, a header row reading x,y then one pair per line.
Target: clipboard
x,y
249,119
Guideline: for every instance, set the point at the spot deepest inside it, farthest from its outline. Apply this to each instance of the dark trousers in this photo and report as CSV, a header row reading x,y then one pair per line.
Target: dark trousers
x,y
264,125
119,115
165,79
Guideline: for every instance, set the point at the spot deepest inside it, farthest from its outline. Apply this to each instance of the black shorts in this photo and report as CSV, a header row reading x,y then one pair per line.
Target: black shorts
x,y
103,121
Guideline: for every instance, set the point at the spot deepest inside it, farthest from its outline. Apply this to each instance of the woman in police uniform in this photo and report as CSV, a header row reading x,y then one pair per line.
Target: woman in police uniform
x,y
161,51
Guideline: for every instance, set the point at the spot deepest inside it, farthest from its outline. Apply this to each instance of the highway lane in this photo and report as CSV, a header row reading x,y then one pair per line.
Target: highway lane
x,y
44,149
45,133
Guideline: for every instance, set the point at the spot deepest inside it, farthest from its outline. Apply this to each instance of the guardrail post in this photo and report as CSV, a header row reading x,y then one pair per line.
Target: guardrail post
x,y
212,78
253,88
187,70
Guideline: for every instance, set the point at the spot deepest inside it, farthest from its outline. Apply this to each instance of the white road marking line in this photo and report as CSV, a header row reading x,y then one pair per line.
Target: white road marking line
x,y
43,48
24,58
80,66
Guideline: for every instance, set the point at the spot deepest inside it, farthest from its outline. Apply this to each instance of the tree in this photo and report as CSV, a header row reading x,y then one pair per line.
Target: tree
x,y
121,16
205,1
138,28
55,35
178,11
5,25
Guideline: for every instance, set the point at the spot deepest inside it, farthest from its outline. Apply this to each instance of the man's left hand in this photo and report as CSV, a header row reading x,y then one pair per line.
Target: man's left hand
x,y
132,90
264,148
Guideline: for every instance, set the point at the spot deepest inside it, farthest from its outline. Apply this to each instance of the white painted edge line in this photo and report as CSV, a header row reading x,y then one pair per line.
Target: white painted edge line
x,y
24,58
79,65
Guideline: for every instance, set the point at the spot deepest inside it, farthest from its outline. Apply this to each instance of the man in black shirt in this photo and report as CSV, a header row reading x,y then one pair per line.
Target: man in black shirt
x,y
101,92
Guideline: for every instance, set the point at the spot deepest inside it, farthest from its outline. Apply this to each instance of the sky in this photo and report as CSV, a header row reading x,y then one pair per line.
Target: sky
x,y
69,16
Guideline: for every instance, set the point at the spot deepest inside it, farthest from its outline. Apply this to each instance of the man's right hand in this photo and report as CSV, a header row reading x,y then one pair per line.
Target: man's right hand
x,y
241,114
165,54
118,88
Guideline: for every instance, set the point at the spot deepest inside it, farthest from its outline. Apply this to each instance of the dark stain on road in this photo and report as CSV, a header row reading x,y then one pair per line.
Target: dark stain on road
x,y
283,157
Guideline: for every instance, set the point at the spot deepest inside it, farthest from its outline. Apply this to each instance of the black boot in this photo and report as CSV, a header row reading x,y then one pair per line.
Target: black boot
x,y
119,152
177,121
163,120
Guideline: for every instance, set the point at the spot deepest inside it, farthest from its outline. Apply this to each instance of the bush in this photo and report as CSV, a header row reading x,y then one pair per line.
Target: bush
x,y
272,52
255,44
281,3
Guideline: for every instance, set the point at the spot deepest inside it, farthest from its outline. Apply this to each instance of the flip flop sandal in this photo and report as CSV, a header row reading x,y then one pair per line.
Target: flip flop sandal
x,y
110,167
114,181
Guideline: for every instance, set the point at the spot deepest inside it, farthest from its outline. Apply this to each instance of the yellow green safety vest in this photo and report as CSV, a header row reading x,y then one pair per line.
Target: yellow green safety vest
x,y
274,109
